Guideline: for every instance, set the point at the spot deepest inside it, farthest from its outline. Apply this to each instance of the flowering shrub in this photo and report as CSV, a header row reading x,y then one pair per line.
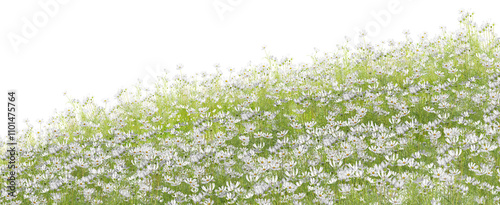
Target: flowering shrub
x,y
410,122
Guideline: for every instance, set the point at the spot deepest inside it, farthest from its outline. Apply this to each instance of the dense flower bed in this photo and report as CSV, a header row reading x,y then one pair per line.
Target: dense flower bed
x,y
410,122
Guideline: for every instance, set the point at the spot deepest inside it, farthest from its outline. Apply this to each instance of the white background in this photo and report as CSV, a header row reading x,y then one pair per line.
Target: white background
x,y
94,48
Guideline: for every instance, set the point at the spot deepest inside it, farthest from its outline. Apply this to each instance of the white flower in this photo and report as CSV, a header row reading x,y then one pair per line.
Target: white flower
x,y
179,67
396,200
344,188
480,200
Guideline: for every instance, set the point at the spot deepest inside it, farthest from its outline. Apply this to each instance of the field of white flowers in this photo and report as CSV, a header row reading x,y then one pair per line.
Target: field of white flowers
x,y
410,122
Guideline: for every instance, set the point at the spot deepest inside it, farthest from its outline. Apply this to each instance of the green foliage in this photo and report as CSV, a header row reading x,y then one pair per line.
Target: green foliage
x,y
331,120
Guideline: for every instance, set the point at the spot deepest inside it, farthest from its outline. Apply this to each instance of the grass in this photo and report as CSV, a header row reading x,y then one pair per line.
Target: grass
x,y
344,145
